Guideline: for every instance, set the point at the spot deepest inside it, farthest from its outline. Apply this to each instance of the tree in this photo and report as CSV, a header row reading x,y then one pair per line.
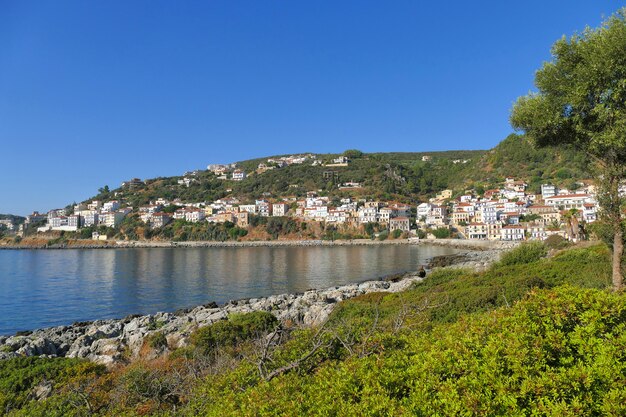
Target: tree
x,y
353,154
581,103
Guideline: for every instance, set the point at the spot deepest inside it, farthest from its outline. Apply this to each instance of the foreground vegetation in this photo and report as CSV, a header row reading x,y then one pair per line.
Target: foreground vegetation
x,y
530,336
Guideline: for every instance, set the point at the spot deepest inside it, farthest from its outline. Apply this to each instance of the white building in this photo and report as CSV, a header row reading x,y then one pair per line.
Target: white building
x,y
512,232
249,208
548,190
399,223
590,212
264,208
385,214
194,215
239,175
111,205
423,210
90,218
112,219
160,220
316,213
476,231
568,201
337,216
489,214
367,215
94,205
279,209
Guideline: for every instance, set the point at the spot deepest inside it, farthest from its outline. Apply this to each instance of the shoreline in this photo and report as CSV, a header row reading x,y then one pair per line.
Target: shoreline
x,y
115,341
475,245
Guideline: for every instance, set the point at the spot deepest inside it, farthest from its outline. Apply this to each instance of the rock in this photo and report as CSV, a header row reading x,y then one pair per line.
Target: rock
x,y
41,391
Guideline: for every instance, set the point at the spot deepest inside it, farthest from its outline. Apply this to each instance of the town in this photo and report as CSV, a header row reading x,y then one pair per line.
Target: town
x,y
507,213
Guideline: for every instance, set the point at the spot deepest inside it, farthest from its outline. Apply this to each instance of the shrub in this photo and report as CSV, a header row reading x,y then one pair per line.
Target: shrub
x,y
18,376
396,234
524,254
140,384
441,233
229,333
254,323
557,353
556,242
157,341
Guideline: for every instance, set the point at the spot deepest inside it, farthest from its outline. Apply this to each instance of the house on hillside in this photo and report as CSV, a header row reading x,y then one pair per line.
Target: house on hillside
x,y
399,223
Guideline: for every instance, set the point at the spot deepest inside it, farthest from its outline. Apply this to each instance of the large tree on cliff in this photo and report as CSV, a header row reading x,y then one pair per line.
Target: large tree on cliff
x,y
581,102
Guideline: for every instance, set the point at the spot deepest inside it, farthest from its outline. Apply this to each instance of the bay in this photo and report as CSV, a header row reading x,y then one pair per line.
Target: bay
x,y
42,288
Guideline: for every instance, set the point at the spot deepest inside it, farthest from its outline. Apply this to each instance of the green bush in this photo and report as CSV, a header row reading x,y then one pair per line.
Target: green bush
x,y
18,376
396,234
229,333
441,233
157,341
558,353
524,254
556,242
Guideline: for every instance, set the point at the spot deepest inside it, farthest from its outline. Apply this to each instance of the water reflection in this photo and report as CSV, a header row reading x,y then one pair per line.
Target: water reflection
x,y
45,288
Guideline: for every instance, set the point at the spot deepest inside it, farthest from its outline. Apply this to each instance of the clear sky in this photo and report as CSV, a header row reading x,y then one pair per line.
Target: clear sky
x,y
93,93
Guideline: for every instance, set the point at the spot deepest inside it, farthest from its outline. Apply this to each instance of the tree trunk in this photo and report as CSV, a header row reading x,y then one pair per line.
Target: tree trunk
x,y
618,250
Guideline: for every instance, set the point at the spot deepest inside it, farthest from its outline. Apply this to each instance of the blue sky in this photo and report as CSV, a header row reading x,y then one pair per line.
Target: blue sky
x,y
93,93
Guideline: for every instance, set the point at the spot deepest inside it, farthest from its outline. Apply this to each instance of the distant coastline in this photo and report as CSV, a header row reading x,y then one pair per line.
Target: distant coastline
x,y
123,244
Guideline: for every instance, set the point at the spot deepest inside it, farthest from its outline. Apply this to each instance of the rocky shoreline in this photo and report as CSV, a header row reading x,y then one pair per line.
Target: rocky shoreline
x,y
113,341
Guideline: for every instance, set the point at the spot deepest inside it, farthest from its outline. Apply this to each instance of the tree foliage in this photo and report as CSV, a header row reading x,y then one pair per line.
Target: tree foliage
x,y
581,102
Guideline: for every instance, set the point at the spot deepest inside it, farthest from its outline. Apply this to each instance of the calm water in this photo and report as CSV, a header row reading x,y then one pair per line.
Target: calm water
x,y
41,288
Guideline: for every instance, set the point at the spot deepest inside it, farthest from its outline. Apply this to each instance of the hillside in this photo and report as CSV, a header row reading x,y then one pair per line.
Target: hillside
x,y
15,219
399,176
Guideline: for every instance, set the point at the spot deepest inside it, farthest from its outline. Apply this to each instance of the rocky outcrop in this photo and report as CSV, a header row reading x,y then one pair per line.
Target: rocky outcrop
x,y
478,261
111,341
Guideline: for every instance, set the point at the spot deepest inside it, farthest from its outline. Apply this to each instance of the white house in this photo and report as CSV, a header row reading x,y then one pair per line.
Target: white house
x,y
399,223
249,208
548,190
112,219
239,175
568,201
590,212
476,231
90,218
264,208
423,210
194,215
367,215
279,209
512,232
111,205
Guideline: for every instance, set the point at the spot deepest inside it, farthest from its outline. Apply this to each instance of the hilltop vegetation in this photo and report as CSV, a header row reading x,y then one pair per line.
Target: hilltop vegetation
x,y
517,157
529,336
401,176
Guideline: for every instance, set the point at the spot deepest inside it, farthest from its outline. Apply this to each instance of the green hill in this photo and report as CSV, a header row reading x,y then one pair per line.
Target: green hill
x,y
402,176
